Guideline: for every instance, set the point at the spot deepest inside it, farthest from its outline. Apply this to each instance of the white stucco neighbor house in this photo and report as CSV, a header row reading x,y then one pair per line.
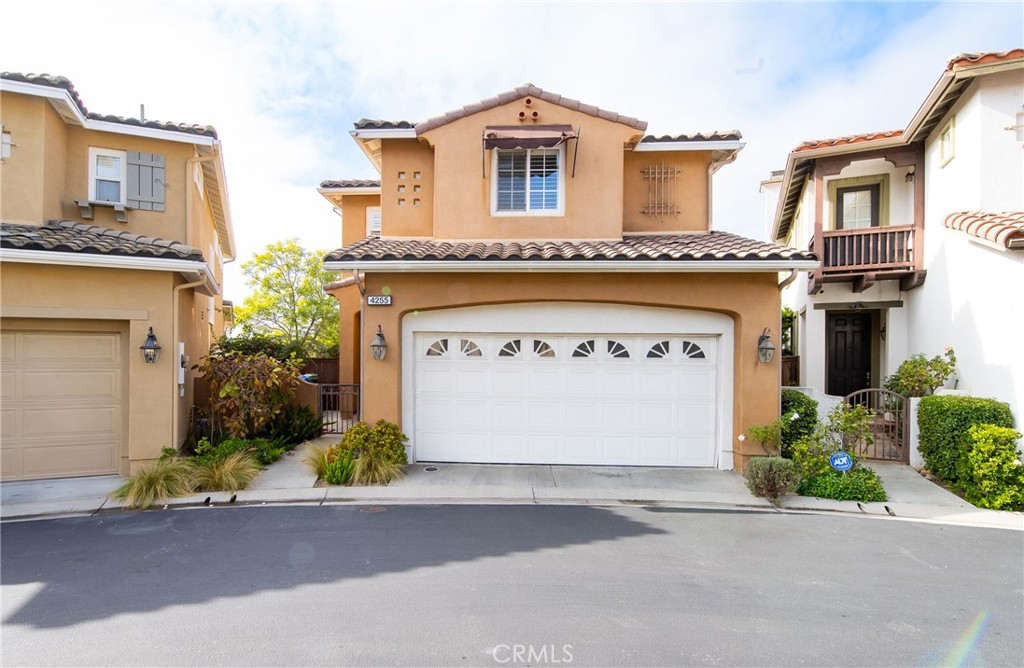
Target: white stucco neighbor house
x,y
920,233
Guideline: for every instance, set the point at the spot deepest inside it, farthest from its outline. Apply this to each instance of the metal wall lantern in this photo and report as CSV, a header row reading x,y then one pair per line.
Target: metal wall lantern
x,y
765,349
379,346
150,349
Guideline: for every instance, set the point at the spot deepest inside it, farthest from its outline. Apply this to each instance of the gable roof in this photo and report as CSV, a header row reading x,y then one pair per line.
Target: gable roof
x,y
658,252
53,81
67,236
527,90
959,73
1004,229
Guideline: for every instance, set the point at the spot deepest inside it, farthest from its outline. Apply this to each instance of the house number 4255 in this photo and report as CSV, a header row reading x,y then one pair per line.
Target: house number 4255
x,y
378,300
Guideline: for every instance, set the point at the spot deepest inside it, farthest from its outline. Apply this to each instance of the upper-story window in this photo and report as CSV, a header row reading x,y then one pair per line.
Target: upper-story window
x,y
108,172
857,207
5,147
373,221
860,202
946,141
528,182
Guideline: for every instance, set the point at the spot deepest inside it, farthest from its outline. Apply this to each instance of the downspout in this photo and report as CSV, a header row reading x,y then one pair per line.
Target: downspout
x,y
789,279
175,294
175,365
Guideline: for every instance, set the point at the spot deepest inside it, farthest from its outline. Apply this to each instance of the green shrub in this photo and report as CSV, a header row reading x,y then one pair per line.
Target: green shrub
x,y
264,450
920,376
945,421
226,474
156,483
767,436
294,425
990,475
385,439
247,391
845,428
855,485
339,469
772,477
799,418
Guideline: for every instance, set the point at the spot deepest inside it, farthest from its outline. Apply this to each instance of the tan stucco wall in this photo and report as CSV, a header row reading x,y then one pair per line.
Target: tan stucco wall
x,y
593,198
689,191
114,300
751,300
23,176
401,215
349,330
353,216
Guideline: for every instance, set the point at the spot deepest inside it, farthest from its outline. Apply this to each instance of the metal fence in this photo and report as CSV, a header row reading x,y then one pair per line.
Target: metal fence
x,y
339,406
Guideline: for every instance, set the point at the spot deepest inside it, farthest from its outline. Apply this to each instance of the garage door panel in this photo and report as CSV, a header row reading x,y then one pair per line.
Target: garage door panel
x,y
8,347
58,421
8,423
568,399
435,413
509,413
619,416
472,381
546,381
63,386
543,415
581,414
656,450
8,385
77,459
60,348
508,380
437,379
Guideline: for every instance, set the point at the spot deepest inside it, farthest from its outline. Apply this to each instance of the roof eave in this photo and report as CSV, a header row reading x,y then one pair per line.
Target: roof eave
x,y
725,145
564,266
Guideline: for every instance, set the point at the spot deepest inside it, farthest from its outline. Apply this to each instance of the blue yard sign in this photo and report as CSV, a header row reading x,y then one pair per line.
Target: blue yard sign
x,y
841,461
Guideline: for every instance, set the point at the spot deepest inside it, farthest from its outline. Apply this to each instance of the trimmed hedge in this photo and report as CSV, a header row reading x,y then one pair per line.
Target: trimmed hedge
x,y
945,421
856,485
991,474
797,403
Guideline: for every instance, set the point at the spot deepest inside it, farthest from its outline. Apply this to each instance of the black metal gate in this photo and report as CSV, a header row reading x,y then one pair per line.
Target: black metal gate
x,y
890,424
339,407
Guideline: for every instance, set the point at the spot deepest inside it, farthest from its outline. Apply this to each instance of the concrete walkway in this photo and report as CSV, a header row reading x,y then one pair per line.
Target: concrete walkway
x,y
290,480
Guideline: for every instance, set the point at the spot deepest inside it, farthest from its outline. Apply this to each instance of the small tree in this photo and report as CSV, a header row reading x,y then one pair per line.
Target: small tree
x,y
920,377
247,391
288,300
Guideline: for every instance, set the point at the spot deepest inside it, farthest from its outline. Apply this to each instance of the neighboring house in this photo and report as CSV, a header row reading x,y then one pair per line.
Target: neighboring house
x,y
921,235
112,228
550,289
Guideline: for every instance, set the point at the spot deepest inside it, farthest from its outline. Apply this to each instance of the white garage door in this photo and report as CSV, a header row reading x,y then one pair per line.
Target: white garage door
x,y
62,404
605,399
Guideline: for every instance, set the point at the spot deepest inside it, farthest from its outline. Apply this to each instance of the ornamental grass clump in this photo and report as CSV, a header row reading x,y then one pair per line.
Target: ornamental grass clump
x,y
156,483
227,474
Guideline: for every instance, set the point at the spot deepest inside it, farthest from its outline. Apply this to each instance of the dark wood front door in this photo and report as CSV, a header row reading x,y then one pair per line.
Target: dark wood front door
x,y
849,352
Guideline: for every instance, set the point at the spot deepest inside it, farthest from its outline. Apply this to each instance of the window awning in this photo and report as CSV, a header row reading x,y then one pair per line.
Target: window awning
x,y
531,136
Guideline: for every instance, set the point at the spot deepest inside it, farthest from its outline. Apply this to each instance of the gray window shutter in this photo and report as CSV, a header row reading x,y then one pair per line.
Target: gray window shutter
x,y
145,181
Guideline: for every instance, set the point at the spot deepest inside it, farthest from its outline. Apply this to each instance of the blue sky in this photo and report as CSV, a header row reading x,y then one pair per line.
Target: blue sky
x,y
284,82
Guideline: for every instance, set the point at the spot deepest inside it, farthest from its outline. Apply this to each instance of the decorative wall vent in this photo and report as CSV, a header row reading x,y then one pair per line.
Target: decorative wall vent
x,y
661,181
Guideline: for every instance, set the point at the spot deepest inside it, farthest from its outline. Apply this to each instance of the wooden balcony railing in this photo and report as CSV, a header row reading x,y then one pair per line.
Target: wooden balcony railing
x,y
867,250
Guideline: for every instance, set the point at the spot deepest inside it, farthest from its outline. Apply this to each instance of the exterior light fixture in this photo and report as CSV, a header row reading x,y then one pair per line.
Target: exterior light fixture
x,y
909,178
765,349
150,349
379,346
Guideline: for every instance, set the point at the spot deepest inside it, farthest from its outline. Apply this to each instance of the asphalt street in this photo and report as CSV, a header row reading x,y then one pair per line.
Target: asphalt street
x,y
509,585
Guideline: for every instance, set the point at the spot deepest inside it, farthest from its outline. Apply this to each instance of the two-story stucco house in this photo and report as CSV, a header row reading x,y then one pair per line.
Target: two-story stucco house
x,y
113,230
549,288
921,236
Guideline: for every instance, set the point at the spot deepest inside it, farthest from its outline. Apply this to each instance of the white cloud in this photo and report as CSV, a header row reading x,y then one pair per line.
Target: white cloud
x,y
284,82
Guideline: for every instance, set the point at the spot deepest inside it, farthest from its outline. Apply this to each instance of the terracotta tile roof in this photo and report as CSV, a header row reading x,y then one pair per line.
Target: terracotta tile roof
x,y
663,247
968,59
1005,229
376,124
524,91
64,83
351,183
849,139
66,236
717,135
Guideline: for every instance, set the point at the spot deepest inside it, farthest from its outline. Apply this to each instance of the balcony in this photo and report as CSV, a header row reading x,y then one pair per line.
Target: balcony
x,y
867,255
